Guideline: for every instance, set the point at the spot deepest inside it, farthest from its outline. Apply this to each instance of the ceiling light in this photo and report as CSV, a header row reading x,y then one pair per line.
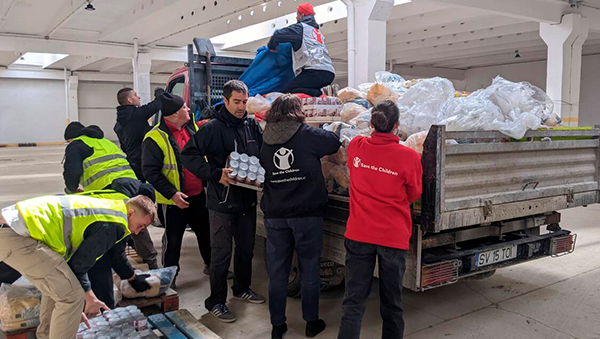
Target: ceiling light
x,y
90,7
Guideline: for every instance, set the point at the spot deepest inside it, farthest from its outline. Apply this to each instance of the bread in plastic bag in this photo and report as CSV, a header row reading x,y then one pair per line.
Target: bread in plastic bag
x,y
350,94
18,305
341,175
416,141
380,92
160,281
363,120
257,104
340,157
391,80
351,111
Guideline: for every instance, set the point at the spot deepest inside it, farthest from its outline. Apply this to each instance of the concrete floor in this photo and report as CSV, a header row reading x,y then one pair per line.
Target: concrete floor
x,y
548,298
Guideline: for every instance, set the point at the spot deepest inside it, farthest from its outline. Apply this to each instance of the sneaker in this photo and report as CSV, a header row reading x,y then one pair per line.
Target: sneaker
x,y
314,327
222,313
251,297
278,331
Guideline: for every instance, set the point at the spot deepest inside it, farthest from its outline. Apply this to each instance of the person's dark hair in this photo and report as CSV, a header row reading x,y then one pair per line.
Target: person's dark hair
x,y
384,116
286,108
123,94
234,85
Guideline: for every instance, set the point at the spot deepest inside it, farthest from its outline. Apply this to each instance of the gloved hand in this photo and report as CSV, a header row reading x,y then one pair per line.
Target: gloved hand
x,y
158,91
139,283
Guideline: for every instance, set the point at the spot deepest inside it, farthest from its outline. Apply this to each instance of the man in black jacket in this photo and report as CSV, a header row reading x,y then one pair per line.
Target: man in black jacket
x,y
293,201
181,196
232,209
311,62
73,169
132,124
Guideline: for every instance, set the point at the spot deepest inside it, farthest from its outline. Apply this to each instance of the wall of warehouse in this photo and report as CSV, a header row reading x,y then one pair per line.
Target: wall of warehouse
x,y
535,73
34,110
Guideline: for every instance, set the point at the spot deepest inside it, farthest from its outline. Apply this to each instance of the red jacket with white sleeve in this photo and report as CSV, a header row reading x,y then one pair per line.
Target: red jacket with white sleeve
x,y
385,178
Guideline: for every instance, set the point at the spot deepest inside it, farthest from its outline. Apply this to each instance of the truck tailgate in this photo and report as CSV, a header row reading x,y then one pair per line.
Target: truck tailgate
x,y
487,177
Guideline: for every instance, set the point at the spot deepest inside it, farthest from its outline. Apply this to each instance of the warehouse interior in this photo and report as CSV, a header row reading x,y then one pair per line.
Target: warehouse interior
x,y
65,60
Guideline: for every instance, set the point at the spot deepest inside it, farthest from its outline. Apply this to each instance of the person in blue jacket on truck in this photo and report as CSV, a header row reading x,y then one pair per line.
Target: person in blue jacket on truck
x,y
312,64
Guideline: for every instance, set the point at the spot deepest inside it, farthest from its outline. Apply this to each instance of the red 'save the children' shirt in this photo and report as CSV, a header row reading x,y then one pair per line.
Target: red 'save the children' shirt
x,y
192,184
385,178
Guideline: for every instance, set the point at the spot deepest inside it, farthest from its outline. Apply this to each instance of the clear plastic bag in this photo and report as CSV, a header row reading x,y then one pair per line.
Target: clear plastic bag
x,y
347,134
363,120
422,103
272,97
160,281
392,81
257,104
18,305
509,107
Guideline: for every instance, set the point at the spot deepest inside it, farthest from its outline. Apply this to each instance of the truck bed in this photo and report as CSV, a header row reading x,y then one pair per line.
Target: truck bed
x,y
488,177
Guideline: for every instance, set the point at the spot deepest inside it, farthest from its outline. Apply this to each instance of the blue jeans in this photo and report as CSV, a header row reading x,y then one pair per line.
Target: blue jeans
x,y
360,263
306,236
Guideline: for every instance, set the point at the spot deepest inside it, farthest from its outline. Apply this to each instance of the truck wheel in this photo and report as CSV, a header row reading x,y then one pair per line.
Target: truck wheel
x,y
480,276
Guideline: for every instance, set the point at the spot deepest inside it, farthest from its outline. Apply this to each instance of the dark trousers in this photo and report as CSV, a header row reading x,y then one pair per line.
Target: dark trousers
x,y
175,220
101,280
142,242
360,263
306,236
310,82
224,230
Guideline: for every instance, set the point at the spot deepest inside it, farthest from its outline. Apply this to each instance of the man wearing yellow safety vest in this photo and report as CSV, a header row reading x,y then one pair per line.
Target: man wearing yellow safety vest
x,y
54,240
180,194
96,163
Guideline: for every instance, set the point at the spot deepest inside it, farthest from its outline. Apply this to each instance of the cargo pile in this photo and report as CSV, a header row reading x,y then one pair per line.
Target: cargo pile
x,y
121,323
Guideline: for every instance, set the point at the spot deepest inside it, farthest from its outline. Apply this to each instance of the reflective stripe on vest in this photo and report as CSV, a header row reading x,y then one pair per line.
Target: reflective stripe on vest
x,y
60,221
106,164
169,168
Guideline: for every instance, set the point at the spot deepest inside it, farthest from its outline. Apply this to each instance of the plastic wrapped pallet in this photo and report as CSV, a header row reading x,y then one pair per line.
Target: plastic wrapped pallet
x,y
321,107
19,307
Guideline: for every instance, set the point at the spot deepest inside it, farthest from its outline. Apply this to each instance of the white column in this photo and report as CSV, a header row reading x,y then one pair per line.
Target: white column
x,y
563,82
142,63
73,84
367,23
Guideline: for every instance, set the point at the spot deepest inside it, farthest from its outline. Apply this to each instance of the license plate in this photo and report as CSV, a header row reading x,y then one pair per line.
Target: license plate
x,y
495,256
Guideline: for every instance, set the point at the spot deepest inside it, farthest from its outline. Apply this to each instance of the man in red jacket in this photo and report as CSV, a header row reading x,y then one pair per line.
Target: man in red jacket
x,y
385,178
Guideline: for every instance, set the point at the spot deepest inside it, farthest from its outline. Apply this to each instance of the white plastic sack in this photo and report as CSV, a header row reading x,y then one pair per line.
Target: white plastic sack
x,y
160,280
416,141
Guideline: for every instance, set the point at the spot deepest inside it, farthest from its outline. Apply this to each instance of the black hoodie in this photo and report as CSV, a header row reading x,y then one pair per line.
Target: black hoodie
x,y
76,153
216,140
291,157
292,34
131,127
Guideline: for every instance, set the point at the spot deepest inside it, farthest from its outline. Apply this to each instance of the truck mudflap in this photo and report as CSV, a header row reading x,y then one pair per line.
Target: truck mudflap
x,y
447,269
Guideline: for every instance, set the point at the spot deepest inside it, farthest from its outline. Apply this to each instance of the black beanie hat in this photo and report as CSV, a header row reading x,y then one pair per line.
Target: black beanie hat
x,y
73,129
147,190
170,104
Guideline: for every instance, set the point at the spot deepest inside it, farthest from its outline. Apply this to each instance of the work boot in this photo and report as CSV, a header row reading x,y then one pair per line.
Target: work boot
x,y
314,327
278,331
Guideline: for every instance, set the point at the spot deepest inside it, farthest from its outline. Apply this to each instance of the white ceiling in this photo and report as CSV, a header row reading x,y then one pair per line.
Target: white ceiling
x,y
443,33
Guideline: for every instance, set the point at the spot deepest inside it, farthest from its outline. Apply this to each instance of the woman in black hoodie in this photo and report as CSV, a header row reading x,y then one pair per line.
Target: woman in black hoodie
x,y
293,202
